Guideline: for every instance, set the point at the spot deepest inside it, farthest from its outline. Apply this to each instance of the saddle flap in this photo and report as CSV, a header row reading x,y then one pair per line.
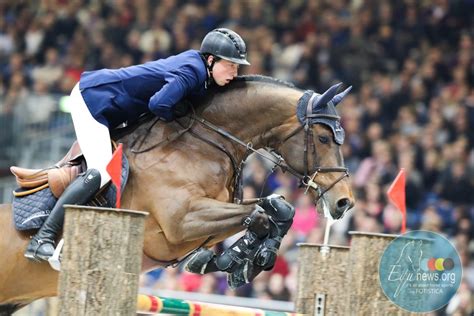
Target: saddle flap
x,y
59,179
29,178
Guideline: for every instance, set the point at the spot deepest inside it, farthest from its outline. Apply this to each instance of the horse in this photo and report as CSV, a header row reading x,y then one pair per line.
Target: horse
x,y
184,173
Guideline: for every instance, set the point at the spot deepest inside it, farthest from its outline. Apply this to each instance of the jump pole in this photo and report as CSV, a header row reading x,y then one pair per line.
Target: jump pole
x,y
101,261
149,304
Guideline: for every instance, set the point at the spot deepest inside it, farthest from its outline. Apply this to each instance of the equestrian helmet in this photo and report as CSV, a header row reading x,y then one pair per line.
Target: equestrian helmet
x,y
226,44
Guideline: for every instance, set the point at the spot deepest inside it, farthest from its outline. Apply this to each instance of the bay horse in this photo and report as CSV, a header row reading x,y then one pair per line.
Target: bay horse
x,y
187,183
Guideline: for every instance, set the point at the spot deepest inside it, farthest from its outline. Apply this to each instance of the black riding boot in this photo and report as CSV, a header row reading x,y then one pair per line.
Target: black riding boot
x,y
80,191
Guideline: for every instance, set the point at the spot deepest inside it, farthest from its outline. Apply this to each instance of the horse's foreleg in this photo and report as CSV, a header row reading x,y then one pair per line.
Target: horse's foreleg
x,y
253,252
186,226
208,217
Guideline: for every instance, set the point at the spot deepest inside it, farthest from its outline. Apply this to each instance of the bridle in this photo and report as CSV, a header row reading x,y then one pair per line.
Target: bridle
x,y
305,180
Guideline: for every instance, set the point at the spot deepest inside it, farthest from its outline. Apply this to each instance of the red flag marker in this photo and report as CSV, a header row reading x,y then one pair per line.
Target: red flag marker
x,y
114,168
396,194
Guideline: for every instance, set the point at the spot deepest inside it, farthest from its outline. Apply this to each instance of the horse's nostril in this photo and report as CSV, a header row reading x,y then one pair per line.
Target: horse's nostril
x,y
342,206
343,203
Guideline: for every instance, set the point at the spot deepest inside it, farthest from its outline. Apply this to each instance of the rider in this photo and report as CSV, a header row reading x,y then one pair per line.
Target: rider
x,y
106,98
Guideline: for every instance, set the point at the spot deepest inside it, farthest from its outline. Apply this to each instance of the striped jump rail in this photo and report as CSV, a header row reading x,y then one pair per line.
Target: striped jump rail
x,y
148,304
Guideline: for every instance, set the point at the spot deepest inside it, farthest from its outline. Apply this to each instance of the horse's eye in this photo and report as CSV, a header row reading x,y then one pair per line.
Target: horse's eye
x,y
324,139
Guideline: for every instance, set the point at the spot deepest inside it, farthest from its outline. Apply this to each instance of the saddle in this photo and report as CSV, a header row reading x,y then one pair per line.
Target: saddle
x,y
39,189
57,177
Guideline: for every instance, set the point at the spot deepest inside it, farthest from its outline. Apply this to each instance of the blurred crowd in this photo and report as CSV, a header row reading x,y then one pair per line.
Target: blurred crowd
x,y
411,64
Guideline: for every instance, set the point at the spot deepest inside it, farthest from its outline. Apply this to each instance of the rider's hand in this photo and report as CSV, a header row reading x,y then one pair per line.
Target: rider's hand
x,y
182,108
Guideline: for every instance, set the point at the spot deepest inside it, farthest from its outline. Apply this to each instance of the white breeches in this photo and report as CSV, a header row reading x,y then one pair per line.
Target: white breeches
x,y
92,136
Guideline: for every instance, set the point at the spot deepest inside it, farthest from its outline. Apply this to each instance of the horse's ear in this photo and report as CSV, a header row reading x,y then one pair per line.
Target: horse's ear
x,y
327,96
338,98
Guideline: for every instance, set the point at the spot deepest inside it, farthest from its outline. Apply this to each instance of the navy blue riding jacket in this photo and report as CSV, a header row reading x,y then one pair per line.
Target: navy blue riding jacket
x,y
115,96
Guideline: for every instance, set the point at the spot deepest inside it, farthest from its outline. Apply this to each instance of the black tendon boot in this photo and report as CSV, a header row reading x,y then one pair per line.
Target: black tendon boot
x,y
242,251
281,215
80,191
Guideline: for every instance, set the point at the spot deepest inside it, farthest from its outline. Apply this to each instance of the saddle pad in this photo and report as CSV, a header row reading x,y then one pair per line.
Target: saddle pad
x,y
30,211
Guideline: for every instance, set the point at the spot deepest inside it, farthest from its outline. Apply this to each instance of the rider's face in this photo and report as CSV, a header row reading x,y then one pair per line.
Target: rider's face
x,y
224,71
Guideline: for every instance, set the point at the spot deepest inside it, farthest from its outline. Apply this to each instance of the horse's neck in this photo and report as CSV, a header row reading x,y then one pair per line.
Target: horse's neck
x,y
255,115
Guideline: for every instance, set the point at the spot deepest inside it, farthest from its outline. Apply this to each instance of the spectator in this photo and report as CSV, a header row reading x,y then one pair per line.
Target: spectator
x,y
50,72
39,98
16,93
455,186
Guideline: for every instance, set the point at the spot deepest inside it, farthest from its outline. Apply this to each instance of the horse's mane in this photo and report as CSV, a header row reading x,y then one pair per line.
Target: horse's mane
x,y
267,79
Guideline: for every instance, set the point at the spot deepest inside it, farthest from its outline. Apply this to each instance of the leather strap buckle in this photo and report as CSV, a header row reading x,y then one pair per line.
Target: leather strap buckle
x,y
247,221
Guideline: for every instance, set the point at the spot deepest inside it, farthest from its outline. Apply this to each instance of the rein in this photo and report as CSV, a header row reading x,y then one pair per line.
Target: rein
x,y
305,180
167,140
